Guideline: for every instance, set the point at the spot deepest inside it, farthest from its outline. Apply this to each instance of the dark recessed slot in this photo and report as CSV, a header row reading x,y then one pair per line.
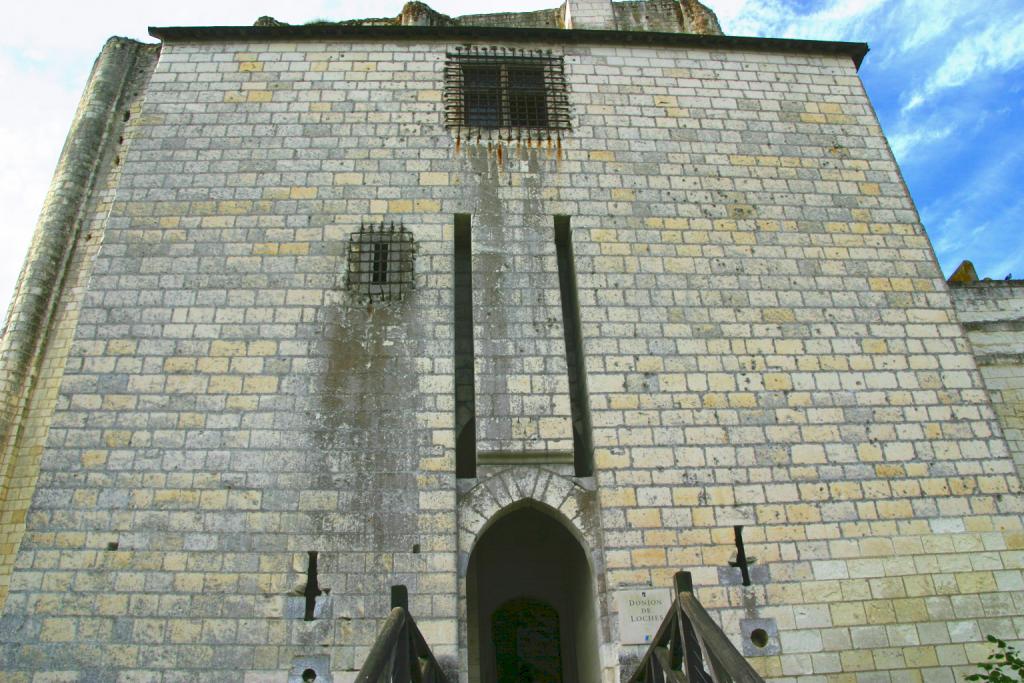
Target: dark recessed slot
x,y
583,449
312,586
465,387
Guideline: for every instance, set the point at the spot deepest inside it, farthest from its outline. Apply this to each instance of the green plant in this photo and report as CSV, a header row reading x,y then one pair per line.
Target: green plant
x,y
1005,657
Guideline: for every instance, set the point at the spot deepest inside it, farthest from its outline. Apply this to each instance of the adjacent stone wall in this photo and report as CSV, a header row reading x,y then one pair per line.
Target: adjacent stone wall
x,y
767,336
992,313
37,336
590,14
668,16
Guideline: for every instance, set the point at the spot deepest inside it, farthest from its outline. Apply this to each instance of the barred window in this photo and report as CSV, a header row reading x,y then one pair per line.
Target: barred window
x,y
505,88
380,261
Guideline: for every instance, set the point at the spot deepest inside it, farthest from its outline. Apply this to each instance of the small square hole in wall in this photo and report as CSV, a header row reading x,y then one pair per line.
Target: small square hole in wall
x,y
310,669
380,261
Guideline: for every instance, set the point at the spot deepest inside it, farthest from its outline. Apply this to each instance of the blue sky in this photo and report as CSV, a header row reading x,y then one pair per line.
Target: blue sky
x,y
946,79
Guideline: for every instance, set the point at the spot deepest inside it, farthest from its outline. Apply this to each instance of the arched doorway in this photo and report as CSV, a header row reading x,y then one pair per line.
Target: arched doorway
x,y
531,606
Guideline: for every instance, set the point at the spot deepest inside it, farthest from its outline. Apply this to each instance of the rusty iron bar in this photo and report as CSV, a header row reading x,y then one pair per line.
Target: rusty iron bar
x,y
381,261
512,91
741,555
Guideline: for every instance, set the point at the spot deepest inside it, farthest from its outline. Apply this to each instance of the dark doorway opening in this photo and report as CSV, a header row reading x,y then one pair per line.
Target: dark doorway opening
x,y
531,605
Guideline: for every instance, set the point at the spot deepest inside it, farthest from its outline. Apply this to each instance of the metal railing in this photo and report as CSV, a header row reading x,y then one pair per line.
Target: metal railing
x,y
691,648
400,654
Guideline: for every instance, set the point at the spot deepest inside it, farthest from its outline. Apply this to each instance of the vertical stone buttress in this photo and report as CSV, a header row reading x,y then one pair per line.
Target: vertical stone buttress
x,y
40,321
589,14
992,314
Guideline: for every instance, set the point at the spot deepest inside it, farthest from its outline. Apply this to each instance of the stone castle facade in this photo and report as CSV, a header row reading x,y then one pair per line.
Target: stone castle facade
x,y
500,307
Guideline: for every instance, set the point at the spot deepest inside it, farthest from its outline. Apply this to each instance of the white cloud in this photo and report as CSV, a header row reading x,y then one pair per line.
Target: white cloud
x,y
835,20
903,144
996,49
32,130
924,21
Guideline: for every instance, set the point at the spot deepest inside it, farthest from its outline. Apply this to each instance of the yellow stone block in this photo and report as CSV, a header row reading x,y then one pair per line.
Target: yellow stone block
x,y
221,347
648,557
57,630
879,284
117,438
259,96
618,497
303,193
778,315
93,458
260,384
433,178
234,206
644,518
874,346
294,249
976,582
225,384
180,364
920,657
777,382
848,614
348,178
890,470
426,206
879,612
121,347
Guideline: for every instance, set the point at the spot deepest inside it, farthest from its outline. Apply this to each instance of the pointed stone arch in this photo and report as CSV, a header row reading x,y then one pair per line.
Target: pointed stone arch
x,y
504,491
501,499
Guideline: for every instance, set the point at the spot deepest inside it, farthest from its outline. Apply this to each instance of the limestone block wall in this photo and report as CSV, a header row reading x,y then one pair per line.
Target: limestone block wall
x,y
768,343
522,382
992,314
590,14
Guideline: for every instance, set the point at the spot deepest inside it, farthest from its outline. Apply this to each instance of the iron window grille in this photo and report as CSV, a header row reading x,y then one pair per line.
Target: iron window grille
x,y
504,88
380,261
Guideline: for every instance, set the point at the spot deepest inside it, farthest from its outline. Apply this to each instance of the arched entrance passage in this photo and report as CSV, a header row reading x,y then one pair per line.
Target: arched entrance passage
x,y
531,607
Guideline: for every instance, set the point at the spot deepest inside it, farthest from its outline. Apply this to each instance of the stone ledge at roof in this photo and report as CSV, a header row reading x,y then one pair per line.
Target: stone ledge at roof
x,y
183,34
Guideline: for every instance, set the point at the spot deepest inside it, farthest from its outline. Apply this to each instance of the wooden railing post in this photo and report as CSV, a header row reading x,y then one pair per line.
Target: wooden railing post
x,y
400,597
690,647
684,582
400,654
